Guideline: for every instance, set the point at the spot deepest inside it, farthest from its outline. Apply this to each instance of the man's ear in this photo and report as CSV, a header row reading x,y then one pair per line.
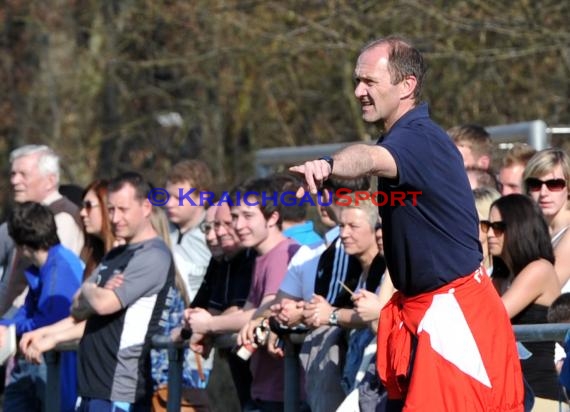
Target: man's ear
x,y
147,207
484,162
273,219
407,87
52,181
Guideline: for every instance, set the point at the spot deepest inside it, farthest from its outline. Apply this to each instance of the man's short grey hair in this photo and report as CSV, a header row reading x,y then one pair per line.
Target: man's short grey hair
x,y
48,161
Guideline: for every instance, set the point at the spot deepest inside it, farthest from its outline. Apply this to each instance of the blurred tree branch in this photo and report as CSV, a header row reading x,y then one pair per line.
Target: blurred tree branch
x,y
91,78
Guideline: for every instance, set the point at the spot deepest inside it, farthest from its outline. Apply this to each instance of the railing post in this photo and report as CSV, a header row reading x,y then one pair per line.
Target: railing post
x,y
175,361
53,390
291,380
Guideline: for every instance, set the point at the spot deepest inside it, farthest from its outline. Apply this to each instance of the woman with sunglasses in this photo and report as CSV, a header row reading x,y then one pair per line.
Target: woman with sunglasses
x,y
546,178
518,235
99,238
484,196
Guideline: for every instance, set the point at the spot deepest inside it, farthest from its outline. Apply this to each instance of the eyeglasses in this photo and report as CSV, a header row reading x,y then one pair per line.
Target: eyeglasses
x,y
498,227
205,227
88,205
554,185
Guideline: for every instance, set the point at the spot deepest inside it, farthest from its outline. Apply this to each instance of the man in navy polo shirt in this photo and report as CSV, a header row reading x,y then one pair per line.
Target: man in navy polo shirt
x,y
437,342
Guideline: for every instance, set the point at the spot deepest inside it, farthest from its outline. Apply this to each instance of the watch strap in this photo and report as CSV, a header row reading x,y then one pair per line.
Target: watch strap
x,y
329,160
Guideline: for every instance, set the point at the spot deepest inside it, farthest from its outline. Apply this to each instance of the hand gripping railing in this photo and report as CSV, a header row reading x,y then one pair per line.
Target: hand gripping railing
x,y
523,333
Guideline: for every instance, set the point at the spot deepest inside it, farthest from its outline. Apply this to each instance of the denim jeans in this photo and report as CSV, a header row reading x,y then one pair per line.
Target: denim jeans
x,y
26,388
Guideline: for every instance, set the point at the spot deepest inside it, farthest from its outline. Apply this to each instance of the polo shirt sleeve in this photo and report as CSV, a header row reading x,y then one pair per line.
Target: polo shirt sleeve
x,y
412,153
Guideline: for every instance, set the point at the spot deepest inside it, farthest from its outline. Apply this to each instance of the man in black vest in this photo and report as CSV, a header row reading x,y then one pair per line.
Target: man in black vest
x,y
34,177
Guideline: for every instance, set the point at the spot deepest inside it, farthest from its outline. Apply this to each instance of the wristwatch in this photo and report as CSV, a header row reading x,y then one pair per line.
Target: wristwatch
x,y
333,318
329,160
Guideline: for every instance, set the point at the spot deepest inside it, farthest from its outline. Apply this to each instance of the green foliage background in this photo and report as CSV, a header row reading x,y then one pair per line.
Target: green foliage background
x,y
91,77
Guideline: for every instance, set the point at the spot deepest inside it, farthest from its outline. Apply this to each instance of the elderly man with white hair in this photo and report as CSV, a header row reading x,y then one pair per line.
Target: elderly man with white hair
x,y
34,177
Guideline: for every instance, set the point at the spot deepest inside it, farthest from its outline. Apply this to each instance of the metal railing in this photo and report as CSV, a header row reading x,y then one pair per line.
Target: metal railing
x,y
542,332
523,333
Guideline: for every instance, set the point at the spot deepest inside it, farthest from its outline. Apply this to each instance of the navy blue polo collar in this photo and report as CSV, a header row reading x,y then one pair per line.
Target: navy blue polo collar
x,y
418,112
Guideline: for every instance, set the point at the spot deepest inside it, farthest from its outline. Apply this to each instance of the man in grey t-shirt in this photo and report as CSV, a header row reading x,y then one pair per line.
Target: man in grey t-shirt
x,y
114,362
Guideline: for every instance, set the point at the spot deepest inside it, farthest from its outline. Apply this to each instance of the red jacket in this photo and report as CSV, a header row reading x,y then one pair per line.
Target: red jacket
x,y
465,358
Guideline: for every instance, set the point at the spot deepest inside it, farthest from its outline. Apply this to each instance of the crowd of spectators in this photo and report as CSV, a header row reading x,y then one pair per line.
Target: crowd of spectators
x,y
524,220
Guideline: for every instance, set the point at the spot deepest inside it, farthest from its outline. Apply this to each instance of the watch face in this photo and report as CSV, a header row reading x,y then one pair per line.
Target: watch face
x,y
333,320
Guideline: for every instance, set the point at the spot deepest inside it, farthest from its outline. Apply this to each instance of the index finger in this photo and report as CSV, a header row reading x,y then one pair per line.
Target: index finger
x,y
308,172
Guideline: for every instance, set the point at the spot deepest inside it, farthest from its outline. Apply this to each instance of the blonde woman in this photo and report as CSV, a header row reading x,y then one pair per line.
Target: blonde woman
x,y
546,178
196,370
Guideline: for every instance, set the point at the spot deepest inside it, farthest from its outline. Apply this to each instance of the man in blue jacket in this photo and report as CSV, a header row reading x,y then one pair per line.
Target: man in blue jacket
x,y
53,279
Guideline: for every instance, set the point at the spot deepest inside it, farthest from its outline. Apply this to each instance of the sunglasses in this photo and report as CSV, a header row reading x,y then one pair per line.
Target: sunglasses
x,y
498,227
554,185
88,205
